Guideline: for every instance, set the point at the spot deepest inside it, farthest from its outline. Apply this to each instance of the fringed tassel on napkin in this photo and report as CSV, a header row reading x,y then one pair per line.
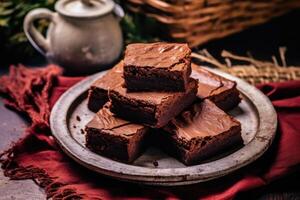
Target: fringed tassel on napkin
x,y
27,91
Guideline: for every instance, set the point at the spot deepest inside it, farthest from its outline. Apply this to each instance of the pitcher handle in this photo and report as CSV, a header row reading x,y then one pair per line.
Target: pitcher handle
x,y
33,35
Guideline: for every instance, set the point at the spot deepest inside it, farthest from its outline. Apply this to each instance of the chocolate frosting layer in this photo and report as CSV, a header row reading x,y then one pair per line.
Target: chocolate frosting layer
x,y
210,84
201,120
111,78
105,120
153,97
159,55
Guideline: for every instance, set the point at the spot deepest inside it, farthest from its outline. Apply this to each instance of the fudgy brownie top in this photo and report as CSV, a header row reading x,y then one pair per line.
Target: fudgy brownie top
x,y
158,55
105,120
111,78
210,84
155,98
202,120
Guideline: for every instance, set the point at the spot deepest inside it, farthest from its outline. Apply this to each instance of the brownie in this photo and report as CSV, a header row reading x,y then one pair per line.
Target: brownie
x,y
153,109
115,138
200,132
221,91
98,92
157,67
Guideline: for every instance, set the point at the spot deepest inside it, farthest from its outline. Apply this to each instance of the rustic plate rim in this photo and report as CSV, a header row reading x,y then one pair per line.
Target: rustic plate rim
x,y
171,176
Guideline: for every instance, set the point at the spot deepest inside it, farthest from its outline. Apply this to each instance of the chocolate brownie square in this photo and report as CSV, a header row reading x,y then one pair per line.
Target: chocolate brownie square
x,y
200,132
115,138
153,109
157,67
221,91
98,92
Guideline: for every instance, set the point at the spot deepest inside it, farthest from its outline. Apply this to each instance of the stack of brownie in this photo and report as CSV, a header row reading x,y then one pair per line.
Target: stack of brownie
x,y
154,93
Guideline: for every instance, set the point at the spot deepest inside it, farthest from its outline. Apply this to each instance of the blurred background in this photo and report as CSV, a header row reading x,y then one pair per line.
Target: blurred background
x,y
262,40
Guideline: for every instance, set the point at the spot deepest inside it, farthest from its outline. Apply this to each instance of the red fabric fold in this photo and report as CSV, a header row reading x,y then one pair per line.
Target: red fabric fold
x,y
39,158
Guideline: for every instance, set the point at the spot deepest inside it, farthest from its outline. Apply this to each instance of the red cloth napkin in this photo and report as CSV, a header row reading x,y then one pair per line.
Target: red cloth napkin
x,y
38,157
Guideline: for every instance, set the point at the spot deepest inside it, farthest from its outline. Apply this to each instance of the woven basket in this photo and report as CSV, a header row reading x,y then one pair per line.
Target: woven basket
x,y
199,21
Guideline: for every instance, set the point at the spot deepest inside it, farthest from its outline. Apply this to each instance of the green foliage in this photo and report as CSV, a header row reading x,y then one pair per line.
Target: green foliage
x,y
137,28
13,42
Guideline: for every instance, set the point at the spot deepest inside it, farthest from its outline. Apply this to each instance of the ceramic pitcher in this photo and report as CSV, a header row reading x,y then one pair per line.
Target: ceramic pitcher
x,y
84,36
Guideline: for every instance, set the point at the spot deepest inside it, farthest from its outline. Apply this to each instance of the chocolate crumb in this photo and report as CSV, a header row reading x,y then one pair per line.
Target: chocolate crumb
x,y
78,118
155,163
82,131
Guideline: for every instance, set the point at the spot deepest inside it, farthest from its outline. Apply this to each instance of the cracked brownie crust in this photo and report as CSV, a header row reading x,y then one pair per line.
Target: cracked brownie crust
x,y
98,92
114,137
221,91
157,67
153,109
200,132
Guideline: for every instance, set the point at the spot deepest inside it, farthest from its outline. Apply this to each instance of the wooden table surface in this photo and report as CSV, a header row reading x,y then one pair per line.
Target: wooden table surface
x,y
10,189
262,41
